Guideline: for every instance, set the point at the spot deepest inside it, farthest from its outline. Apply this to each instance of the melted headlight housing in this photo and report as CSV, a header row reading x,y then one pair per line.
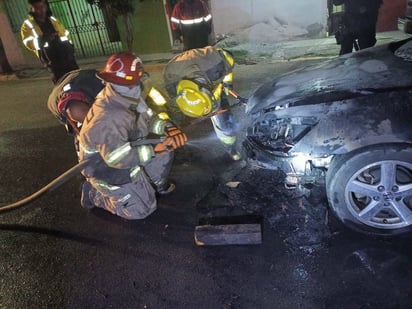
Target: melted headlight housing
x,y
280,134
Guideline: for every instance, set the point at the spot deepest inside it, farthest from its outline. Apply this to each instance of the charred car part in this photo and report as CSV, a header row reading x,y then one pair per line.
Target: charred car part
x,y
276,137
344,124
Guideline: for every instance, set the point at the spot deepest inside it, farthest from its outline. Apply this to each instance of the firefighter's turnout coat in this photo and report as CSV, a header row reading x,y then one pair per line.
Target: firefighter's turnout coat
x,y
81,85
193,22
122,173
209,68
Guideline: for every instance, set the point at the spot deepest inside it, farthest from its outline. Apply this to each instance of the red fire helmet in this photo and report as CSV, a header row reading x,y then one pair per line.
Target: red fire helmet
x,y
124,68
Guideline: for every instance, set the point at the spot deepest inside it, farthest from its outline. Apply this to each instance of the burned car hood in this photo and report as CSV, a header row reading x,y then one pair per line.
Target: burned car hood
x,y
366,72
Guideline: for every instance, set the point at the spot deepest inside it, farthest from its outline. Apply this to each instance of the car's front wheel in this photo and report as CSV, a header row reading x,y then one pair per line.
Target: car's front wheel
x,y
371,190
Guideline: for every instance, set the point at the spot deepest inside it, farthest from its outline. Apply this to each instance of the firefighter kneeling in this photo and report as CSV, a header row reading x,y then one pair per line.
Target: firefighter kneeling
x,y
126,172
200,80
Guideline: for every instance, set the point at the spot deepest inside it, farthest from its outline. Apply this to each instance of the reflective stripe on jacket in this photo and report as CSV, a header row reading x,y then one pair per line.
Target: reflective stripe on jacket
x,y
190,14
111,124
31,33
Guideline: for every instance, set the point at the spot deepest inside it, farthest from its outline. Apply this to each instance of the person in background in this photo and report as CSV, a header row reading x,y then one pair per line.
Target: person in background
x,y
43,34
191,22
358,27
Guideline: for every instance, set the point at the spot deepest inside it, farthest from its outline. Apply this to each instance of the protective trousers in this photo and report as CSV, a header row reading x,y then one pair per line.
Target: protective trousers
x,y
364,40
225,128
60,59
137,199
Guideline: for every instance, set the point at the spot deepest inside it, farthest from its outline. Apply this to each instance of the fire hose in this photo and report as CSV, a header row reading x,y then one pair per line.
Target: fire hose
x,y
57,182
70,173
63,178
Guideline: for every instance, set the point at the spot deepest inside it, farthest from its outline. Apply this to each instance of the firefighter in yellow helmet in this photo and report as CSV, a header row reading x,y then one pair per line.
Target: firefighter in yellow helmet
x,y
200,80
128,169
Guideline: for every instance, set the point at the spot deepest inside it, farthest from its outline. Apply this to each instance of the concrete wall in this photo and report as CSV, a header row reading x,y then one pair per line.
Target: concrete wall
x,y
389,13
13,50
149,27
229,15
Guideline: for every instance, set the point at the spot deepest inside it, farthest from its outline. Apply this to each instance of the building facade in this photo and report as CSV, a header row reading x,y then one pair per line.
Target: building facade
x,y
95,32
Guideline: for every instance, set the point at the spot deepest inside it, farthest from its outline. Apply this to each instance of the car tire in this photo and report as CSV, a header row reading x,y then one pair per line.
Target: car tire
x,y
370,190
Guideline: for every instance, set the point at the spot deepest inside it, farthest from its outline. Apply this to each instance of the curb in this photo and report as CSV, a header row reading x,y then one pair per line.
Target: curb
x,y
8,77
44,74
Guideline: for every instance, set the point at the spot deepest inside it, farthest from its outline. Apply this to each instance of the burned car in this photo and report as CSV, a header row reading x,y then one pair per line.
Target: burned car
x,y
345,124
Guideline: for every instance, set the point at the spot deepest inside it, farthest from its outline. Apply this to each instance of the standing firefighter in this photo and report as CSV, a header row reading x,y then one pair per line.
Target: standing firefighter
x,y
358,27
49,40
192,23
127,170
200,80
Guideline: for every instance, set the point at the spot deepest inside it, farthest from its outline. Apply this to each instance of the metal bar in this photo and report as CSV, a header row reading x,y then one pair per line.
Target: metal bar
x,y
97,29
75,27
17,12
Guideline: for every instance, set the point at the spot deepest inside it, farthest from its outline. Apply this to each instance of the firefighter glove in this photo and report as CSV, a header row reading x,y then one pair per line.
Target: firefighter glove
x,y
163,147
174,133
168,145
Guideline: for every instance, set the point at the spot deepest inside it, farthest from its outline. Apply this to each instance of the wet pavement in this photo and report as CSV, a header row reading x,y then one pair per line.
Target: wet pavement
x,y
54,254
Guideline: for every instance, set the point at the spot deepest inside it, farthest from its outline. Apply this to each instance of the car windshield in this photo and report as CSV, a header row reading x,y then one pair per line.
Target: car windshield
x,y
405,51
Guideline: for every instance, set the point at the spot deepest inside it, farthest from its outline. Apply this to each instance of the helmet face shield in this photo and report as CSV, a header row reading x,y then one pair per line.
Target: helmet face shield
x,y
192,100
128,91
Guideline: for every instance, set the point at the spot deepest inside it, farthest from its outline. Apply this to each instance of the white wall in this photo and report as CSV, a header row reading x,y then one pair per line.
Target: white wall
x,y
229,15
12,50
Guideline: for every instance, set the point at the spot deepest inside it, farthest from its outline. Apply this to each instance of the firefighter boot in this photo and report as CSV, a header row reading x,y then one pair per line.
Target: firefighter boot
x,y
234,154
88,194
165,188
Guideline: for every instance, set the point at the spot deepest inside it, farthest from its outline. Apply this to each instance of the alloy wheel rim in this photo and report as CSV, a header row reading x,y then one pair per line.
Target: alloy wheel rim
x,y
380,194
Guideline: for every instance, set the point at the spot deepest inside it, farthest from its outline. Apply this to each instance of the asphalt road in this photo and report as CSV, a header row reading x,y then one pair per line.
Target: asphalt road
x,y
54,254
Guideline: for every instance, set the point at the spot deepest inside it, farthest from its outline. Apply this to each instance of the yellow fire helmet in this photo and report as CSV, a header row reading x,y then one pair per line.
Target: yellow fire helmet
x,y
192,100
